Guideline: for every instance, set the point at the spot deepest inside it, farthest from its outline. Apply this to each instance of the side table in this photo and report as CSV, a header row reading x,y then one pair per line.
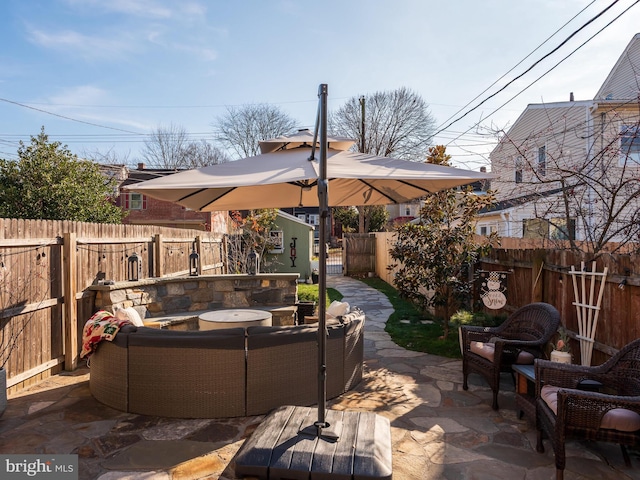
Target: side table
x,y
525,390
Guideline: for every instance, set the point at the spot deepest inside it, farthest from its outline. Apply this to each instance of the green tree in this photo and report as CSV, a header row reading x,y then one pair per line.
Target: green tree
x,y
435,254
49,182
376,218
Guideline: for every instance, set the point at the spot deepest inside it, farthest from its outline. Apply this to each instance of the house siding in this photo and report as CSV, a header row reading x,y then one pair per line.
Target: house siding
x,y
576,136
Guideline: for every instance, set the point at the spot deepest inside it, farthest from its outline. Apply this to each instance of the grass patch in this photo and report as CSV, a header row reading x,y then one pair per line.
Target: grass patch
x,y
406,327
309,293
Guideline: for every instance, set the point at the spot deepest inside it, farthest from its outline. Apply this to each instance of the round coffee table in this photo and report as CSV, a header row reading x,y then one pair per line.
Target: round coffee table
x,y
232,318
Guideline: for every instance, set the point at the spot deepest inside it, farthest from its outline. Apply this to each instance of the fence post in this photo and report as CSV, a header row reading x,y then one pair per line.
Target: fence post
x,y
70,316
537,287
157,253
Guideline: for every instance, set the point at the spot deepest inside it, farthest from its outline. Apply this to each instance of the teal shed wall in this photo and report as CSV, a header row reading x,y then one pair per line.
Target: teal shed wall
x,y
303,234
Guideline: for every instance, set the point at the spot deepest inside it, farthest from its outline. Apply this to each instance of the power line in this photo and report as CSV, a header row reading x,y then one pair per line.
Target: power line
x,y
514,67
64,116
538,62
547,72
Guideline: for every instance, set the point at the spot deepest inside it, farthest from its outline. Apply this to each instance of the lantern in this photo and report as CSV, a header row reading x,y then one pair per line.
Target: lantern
x,y
194,263
253,263
133,267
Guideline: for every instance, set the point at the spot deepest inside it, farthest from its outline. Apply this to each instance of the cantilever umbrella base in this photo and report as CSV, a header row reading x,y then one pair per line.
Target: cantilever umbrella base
x,y
277,449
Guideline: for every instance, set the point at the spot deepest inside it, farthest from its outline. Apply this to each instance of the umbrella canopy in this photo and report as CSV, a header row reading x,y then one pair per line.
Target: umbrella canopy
x,y
286,177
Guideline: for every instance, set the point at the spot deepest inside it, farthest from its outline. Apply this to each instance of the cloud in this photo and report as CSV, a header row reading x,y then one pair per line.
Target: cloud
x,y
90,47
139,8
79,95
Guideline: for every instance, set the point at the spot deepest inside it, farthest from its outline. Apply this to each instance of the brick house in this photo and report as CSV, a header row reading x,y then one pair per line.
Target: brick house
x,y
144,210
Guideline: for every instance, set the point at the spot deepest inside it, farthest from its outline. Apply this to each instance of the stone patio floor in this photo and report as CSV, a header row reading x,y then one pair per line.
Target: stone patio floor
x,y
439,431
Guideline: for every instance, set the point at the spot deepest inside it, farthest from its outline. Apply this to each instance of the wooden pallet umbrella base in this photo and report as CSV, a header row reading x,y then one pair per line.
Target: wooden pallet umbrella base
x,y
280,448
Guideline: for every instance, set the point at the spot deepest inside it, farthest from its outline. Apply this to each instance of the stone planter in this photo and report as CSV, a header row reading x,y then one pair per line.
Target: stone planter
x,y
561,357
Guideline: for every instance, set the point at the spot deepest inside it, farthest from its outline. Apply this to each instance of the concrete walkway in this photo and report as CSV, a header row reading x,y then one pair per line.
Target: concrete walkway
x,y
439,431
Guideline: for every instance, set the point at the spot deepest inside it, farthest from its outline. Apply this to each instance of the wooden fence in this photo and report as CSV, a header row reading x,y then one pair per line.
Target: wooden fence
x,y
538,274
46,267
362,254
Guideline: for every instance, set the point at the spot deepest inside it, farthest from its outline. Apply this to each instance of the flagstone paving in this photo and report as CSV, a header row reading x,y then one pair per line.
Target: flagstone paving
x,y
439,431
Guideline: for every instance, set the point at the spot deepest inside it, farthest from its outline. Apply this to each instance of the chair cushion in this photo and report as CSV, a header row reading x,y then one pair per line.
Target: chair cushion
x,y
487,350
620,419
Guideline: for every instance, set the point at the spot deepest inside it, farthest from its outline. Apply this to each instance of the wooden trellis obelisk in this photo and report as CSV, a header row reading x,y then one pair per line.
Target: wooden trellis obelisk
x,y
587,307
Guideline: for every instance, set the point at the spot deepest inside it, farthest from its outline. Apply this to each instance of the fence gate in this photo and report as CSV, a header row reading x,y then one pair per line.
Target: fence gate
x,y
334,260
359,253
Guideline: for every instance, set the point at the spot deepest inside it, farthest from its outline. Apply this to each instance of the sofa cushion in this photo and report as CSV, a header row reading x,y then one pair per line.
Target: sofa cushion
x,y
337,309
227,338
620,419
130,314
487,350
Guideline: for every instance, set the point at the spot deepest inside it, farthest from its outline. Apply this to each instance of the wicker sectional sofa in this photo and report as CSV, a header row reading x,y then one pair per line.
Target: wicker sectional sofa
x,y
224,373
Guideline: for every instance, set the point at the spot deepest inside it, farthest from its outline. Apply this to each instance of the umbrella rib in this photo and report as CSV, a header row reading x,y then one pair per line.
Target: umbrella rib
x,y
231,189
391,199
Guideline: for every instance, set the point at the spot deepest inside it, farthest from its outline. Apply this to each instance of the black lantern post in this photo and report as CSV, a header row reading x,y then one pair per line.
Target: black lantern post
x,y
133,267
253,263
194,262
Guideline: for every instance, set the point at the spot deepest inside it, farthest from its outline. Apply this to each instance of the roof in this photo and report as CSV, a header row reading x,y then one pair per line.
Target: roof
x,y
293,218
622,81
516,202
136,176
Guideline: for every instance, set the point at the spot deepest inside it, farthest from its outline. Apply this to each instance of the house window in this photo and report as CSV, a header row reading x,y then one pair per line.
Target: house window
x,y
276,239
134,201
407,210
629,145
542,161
519,164
302,216
554,229
487,229
314,219
559,229
535,228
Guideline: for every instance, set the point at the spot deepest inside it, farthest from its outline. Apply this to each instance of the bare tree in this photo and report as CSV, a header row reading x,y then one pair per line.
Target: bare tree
x,y
202,153
582,197
170,148
240,129
165,146
396,123
108,157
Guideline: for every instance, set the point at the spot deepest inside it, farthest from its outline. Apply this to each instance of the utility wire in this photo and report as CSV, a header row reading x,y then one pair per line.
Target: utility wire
x,y
439,130
548,71
65,117
534,64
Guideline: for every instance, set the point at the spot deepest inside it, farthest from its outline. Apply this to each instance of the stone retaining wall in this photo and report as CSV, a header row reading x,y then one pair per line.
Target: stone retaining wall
x,y
165,296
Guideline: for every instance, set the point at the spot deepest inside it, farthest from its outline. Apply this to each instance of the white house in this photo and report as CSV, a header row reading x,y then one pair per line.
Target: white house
x,y
571,170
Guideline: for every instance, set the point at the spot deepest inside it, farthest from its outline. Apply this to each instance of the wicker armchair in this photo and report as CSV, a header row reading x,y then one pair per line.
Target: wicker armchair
x,y
588,414
520,339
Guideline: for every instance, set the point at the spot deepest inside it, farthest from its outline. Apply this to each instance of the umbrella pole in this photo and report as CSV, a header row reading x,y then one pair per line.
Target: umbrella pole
x,y
320,428
323,203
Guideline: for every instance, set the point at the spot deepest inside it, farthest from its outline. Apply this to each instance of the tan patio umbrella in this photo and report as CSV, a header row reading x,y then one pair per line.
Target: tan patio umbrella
x,y
289,173
285,177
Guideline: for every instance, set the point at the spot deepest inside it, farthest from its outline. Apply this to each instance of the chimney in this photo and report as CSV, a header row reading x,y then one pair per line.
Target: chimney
x,y
141,166
571,97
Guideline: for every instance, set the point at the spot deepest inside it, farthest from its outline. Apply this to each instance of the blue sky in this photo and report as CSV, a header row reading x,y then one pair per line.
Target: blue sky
x,y
102,74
